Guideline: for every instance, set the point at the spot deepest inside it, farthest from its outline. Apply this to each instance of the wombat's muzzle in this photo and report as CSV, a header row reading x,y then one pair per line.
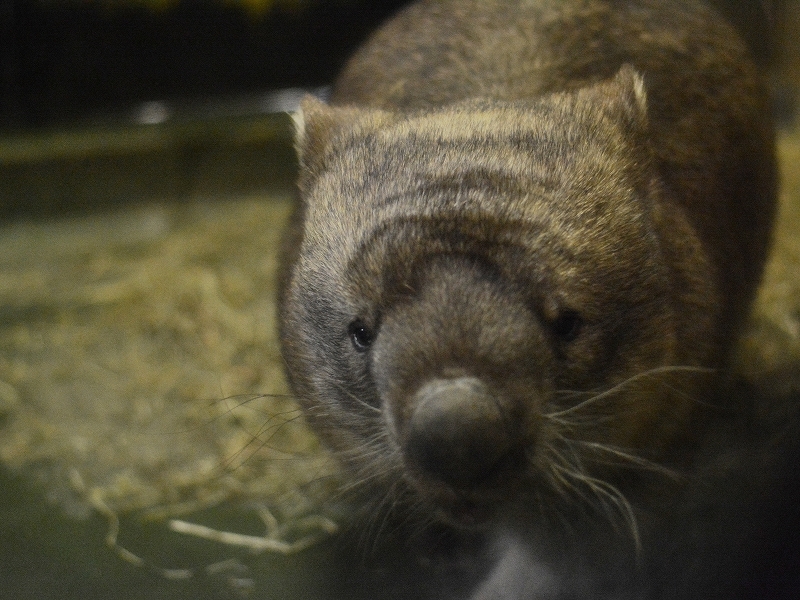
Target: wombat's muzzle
x,y
458,432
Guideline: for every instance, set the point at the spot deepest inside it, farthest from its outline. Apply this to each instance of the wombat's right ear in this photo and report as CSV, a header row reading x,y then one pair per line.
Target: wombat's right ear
x,y
315,124
313,121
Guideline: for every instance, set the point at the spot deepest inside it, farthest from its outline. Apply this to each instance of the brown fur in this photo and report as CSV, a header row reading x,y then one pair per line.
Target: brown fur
x,y
561,206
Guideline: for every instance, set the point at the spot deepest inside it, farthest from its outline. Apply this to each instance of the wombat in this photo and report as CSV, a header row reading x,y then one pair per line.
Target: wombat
x,y
528,234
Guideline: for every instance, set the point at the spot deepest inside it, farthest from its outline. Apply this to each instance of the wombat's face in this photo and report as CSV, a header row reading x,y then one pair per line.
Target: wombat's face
x,y
479,309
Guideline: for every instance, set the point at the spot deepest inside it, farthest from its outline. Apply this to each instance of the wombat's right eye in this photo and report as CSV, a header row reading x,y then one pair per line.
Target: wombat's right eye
x,y
360,335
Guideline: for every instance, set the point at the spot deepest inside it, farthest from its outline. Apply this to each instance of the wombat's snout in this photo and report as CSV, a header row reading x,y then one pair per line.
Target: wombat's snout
x,y
458,432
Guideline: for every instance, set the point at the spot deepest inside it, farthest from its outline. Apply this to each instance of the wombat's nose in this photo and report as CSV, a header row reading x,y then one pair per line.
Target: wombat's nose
x,y
458,432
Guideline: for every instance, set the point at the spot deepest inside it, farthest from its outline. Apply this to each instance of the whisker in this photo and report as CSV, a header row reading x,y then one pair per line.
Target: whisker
x,y
610,497
599,396
360,402
628,459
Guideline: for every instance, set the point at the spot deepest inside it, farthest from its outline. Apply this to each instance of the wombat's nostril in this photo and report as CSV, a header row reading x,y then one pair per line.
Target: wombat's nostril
x,y
458,431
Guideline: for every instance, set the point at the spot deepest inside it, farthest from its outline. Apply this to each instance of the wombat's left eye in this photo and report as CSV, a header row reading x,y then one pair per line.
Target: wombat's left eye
x,y
567,325
360,335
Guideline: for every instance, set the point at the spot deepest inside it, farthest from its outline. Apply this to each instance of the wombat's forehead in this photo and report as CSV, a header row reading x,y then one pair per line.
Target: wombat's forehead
x,y
502,162
464,183
372,243
464,149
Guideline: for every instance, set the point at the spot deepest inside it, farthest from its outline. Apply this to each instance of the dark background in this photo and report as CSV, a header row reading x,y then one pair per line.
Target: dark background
x,y
66,60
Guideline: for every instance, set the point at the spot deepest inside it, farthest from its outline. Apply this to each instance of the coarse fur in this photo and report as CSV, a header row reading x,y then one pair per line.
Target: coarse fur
x,y
528,234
